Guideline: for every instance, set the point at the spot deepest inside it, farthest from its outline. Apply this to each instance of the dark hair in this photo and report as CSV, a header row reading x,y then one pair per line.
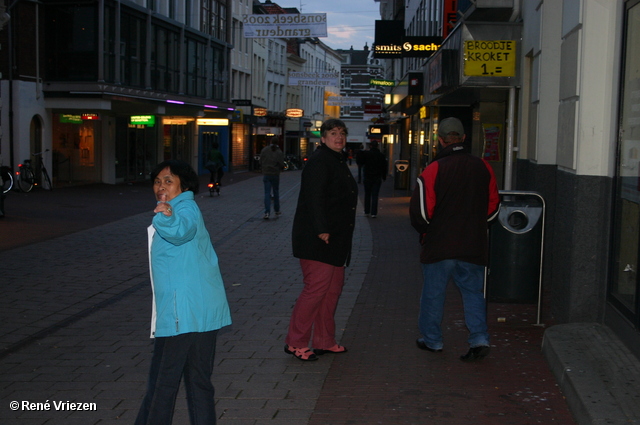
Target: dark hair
x,y
330,124
188,177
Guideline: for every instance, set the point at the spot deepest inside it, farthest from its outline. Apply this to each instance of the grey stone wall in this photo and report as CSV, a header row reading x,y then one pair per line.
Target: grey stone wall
x,y
577,240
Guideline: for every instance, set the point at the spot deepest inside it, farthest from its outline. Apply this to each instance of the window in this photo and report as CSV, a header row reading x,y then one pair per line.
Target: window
x,y
196,69
214,19
165,60
70,42
132,50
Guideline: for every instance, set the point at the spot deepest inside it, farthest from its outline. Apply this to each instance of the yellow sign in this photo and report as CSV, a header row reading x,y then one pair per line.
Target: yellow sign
x,y
490,58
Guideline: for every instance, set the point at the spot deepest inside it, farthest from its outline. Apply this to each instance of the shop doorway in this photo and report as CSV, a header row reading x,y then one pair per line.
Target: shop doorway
x,y
135,151
624,283
75,158
176,136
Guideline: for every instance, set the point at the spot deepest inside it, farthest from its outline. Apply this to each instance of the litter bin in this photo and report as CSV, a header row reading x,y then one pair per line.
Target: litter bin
x,y
401,176
515,249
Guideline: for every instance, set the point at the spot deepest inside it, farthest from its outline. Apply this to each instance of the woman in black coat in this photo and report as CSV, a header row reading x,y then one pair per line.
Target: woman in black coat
x,y
322,236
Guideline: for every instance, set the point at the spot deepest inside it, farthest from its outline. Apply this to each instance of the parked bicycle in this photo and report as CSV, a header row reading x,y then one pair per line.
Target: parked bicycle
x,y
26,179
6,178
292,162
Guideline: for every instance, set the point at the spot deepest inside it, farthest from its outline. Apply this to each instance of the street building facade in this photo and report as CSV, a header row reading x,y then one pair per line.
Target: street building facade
x,y
106,90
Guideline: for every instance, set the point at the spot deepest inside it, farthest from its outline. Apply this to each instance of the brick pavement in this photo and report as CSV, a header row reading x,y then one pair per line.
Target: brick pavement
x,y
74,324
386,379
74,327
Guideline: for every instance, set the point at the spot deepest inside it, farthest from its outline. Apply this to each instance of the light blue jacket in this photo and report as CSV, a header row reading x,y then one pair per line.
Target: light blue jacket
x,y
188,293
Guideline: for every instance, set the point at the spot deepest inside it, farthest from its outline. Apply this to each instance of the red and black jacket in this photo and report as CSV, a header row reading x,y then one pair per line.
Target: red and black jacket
x,y
454,199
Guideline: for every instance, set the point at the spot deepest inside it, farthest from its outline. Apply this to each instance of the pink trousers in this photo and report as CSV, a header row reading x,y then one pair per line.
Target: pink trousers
x,y
316,306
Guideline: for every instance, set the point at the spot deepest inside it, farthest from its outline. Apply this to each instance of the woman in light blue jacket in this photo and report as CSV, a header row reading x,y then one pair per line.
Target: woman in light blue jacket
x,y
189,300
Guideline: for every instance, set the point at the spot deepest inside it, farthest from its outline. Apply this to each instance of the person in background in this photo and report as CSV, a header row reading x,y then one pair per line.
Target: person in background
x,y
454,199
322,236
271,163
375,172
360,156
215,164
189,300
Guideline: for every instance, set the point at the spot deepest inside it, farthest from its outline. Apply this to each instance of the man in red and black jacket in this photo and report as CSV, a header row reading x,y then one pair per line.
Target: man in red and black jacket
x,y
455,197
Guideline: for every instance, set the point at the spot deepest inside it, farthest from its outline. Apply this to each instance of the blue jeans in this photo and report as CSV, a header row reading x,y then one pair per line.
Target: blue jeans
x,y
470,280
271,182
371,193
190,355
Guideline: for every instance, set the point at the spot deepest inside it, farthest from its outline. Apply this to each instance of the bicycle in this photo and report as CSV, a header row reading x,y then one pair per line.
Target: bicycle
x,y
26,178
6,178
214,181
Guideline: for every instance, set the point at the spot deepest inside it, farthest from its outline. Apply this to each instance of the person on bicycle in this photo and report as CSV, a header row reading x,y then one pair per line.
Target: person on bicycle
x,y
215,164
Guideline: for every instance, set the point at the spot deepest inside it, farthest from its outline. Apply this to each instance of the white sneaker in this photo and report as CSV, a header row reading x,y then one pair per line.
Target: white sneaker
x,y
266,216
278,212
373,216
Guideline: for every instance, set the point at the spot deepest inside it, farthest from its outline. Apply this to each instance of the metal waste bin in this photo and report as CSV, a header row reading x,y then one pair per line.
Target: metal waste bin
x,y
401,176
514,274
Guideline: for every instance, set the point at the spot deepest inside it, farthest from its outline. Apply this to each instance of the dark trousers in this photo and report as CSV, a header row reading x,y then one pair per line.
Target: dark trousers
x,y
190,355
371,192
216,173
271,183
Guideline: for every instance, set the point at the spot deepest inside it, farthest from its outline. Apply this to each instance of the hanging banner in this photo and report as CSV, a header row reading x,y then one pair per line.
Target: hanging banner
x,y
285,25
314,79
492,134
344,101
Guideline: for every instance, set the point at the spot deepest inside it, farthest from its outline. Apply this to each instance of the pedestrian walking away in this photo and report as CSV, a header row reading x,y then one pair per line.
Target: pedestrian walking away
x,y
322,236
375,172
271,163
360,154
189,301
452,202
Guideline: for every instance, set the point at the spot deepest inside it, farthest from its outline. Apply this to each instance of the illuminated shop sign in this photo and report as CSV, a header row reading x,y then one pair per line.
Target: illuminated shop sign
x,y
72,119
420,47
379,129
449,16
386,83
391,43
149,120
90,117
213,121
294,113
388,39
260,112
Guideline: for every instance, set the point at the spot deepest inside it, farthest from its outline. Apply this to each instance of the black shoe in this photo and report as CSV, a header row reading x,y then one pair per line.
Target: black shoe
x,y
423,346
476,353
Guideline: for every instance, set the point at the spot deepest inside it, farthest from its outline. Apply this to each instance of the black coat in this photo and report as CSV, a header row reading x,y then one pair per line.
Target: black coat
x,y
375,166
326,204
